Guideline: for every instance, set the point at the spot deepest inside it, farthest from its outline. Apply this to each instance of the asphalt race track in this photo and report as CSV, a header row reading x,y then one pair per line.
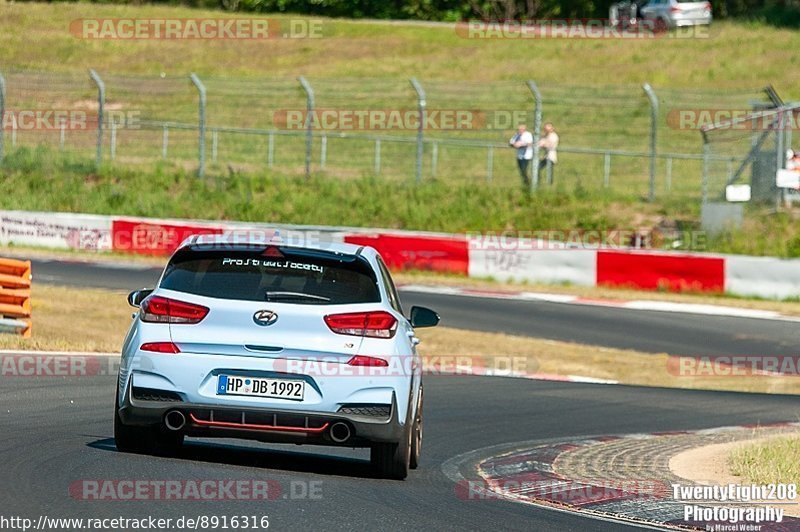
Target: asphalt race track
x,y
57,431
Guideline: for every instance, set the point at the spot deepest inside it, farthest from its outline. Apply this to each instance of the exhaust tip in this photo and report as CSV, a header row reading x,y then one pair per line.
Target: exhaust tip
x,y
174,420
340,432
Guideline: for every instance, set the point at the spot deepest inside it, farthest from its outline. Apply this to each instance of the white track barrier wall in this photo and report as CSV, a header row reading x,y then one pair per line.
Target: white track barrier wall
x,y
544,266
762,276
55,230
748,276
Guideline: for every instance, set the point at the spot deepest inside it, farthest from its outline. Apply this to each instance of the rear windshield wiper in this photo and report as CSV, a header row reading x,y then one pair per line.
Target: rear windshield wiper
x,y
278,296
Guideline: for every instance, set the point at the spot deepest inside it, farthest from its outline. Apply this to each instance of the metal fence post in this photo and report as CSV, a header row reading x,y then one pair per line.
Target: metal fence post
x,y
323,152
214,144
653,131
489,163
421,103
435,159
780,163
2,115
537,126
113,139
164,142
271,150
377,157
704,182
101,104
606,169
201,155
309,123
669,174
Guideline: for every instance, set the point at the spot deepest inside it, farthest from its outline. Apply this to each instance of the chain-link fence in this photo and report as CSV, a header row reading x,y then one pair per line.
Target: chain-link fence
x,y
613,137
759,144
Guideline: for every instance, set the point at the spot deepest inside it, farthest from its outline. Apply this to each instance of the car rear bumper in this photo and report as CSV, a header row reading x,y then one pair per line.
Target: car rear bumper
x,y
690,20
265,424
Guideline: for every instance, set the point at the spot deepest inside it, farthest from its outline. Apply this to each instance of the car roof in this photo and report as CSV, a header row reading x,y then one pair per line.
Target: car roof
x,y
306,240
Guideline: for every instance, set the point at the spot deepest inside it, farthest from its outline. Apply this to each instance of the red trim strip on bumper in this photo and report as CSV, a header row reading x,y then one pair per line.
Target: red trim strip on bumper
x,y
252,426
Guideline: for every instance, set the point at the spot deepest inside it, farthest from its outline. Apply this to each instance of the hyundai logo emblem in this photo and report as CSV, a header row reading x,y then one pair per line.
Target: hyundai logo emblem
x,y
265,317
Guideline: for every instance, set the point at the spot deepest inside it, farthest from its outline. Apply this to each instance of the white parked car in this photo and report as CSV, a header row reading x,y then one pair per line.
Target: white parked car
x,y
668,14
275,343
660,15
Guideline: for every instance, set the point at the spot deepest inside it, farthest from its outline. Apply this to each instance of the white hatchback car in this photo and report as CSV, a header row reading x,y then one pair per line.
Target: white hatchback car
x,y
275,343
659,15
668,14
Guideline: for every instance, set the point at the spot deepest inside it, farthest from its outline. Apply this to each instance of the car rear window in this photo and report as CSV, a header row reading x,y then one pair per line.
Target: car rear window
x,y
287,275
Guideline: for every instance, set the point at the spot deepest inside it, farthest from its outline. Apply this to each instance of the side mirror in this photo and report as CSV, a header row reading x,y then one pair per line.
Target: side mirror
x,y
136,297
423,317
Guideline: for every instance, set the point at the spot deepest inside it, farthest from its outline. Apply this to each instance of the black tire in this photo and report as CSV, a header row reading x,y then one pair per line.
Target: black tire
x,y
416,434
144,439
128,438
393,459
165,442
660,26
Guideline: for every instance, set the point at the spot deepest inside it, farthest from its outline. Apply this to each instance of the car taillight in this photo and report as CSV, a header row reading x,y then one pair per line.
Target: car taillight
x,y
707,6
378,324
157,309
160,347
675,9
361,360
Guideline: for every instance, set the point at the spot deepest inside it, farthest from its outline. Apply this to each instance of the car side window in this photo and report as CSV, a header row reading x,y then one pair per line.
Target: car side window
x,y
394,299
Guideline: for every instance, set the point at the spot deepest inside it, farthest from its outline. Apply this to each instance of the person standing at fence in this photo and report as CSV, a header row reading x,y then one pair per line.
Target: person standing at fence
x,y
549,142
523,142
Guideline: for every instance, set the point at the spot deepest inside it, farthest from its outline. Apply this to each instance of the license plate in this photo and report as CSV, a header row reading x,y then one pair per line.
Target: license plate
x,y
260,387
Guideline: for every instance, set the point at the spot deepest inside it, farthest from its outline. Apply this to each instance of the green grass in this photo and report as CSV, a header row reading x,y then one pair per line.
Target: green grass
x,y
734,56
40,179
591,90
776,460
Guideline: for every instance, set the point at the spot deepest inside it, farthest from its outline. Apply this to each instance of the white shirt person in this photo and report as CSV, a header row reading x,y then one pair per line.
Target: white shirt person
x,y
523,142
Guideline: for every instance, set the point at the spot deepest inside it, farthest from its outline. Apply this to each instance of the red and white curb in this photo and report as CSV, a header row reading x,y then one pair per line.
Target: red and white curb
x,y
524,472
635,304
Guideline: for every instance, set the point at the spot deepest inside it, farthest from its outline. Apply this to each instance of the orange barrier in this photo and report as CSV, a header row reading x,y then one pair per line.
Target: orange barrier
x,y
15,296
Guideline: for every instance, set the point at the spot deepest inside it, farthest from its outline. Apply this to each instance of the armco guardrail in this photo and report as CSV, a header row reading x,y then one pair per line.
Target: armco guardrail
x,y
15,297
